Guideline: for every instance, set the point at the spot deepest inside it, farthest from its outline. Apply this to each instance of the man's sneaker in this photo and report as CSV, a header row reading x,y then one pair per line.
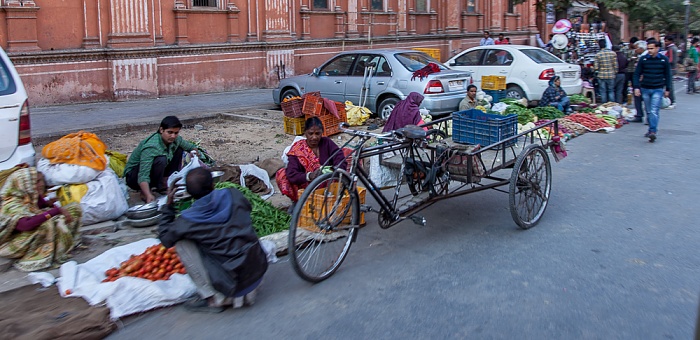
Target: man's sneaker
x,y
652,137
670,107
647,134
635,120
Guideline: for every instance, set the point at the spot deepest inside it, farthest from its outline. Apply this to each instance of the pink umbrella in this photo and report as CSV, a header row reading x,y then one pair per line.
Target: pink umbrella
x,y
561,26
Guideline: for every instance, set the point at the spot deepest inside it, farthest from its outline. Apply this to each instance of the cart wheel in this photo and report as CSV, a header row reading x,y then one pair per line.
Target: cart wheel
x,y
530,185
433,136
319,237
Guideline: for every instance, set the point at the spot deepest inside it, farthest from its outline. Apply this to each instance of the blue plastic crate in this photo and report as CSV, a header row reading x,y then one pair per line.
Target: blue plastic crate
x,y
476,127
497,95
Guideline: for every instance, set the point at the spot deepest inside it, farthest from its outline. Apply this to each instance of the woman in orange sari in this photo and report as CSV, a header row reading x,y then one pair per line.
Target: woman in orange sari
x,y
306,157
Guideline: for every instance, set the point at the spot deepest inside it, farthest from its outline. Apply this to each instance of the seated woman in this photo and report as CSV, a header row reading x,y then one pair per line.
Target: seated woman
x,y
406,112
31,229
306,157
156,158
555,96
469,102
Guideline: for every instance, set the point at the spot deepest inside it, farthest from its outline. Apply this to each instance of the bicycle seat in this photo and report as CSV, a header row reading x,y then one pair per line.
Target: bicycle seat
x,y
412,132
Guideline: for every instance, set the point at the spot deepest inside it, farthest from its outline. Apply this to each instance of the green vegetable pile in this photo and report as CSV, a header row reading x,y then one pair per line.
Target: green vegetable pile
x,y
524,114
578,99
547,112
266,218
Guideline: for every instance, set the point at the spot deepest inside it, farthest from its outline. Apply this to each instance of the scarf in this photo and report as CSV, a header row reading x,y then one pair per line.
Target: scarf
x,y
405,112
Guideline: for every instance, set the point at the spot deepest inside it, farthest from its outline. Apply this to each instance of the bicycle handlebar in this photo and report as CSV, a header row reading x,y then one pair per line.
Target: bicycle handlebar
x,y
391,135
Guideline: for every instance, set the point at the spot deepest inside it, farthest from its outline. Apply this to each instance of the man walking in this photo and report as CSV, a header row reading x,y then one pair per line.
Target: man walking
x,y
606,66
652,75
620,76
691,63
631,55
672,55
486,40
640,47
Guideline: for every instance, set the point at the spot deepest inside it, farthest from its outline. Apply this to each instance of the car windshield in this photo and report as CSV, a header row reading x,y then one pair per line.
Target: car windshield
x,y
416,61
541,56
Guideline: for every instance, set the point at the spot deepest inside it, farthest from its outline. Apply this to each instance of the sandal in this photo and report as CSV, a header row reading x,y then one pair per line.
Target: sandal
x,y
202,306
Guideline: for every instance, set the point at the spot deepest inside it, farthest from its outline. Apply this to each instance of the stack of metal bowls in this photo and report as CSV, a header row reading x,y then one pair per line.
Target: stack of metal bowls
x,y
143,215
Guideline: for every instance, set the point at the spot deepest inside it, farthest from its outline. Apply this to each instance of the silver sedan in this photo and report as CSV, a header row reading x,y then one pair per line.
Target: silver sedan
x,y
378,79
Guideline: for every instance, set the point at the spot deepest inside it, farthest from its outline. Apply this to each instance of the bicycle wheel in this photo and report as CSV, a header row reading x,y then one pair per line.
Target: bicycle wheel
x,y
530,185
321,232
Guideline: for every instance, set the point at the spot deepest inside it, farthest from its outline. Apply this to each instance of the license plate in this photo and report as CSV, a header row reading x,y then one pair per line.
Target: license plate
x,y
456,85
568,74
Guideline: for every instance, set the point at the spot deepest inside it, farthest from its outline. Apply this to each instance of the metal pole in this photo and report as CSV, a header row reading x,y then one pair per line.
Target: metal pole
x,y
687,14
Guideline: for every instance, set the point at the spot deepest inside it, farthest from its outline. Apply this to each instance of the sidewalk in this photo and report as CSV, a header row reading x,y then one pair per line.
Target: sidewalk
x,y
56,121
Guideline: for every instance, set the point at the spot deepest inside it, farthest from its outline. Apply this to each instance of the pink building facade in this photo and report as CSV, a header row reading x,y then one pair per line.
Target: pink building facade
x,y
100,50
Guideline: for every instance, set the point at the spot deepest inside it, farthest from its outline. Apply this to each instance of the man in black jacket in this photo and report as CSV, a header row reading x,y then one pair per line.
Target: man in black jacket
x,y
652,80
216,243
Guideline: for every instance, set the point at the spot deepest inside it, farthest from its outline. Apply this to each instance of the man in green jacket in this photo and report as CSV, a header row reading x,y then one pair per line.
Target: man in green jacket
x,y
692,67
156,158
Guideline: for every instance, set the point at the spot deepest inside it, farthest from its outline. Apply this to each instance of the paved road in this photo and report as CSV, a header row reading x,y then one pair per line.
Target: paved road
x,y
615,257
58,120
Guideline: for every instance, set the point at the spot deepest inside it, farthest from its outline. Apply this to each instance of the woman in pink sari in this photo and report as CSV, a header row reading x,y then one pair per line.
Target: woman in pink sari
x,y
306,157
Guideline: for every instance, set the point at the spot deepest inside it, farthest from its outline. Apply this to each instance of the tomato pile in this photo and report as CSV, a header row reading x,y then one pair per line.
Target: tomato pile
x,y
156,263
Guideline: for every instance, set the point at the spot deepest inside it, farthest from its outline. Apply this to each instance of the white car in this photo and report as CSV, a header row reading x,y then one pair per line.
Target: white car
x,y
527,69
16,143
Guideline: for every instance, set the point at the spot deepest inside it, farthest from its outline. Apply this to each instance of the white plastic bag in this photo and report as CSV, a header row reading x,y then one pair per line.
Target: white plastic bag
x,y
286,150
60,174
179,176
104,199
250,169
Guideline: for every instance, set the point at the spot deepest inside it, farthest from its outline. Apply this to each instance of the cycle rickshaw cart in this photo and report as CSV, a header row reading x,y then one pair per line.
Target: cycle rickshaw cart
x,y
327,217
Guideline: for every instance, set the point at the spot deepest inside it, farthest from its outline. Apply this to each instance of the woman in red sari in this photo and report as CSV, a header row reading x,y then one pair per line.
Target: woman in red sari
x,y
306,157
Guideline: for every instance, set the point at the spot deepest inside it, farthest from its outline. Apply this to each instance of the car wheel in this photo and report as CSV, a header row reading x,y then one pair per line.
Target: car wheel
x,y
289,94
515,92
386,107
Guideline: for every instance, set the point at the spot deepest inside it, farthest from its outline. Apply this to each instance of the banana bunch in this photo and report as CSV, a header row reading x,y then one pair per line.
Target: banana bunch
x,y
357,115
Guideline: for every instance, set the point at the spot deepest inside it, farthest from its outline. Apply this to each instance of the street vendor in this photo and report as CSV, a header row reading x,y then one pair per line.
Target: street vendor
x,y
306,158
555,96
406,112
216,243
469,102
33,231
156,158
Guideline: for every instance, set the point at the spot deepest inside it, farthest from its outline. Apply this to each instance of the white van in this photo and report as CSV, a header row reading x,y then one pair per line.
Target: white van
x,y
16,142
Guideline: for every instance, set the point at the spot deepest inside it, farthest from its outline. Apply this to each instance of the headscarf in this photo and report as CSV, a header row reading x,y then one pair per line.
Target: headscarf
x,y
551,81
405,112
19,199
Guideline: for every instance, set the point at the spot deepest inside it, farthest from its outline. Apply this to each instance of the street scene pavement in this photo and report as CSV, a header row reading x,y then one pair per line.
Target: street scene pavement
x,y
614,257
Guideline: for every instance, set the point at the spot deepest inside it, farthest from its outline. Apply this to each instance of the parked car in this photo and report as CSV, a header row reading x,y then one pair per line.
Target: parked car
x,y
527,69
16,145
378,79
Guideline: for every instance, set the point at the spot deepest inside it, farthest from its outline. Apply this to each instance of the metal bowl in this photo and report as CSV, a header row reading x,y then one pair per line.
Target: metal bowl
x,y
217,175
143,211
144,222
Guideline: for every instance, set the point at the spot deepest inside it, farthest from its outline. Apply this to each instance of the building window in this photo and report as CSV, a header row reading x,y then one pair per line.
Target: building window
x,y
511,6
203,3
320,4
421,6
471,6
377,5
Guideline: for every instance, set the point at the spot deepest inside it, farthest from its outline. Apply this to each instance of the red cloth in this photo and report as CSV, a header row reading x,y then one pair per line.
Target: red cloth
x,y
330,106
425,71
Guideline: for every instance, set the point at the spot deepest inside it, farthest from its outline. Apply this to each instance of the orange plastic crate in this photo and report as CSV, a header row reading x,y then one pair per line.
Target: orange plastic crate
x,y
292,108
310,213
331,124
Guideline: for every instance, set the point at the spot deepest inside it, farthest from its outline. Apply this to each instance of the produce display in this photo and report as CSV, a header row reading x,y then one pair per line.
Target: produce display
x,y
525,115
575,128
290,99
156,263
266,218
610,119
579,99
589,121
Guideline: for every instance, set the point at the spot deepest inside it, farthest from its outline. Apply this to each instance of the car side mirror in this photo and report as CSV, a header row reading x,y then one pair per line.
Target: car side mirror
x,y
315,72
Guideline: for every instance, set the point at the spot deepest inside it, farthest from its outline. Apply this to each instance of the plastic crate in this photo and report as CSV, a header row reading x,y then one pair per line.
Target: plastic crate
x,y
331,124
292,108
310,212
476,127
433,52
493,82
497,95
294,126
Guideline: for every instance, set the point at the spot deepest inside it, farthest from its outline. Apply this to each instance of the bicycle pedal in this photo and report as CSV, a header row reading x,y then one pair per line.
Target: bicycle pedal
x,y
419,220
366,208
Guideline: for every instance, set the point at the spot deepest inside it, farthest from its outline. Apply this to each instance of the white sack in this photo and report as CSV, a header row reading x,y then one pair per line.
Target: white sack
x,y
250,169
179,176
286,150
60,174
104,199
126,295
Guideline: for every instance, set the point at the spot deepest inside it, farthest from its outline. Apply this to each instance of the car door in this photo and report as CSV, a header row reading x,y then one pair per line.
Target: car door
x,y
10,105
332,77
369,78
469,61
496,62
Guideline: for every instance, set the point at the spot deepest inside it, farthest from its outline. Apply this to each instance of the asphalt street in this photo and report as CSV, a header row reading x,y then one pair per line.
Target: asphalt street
x,y
614,257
